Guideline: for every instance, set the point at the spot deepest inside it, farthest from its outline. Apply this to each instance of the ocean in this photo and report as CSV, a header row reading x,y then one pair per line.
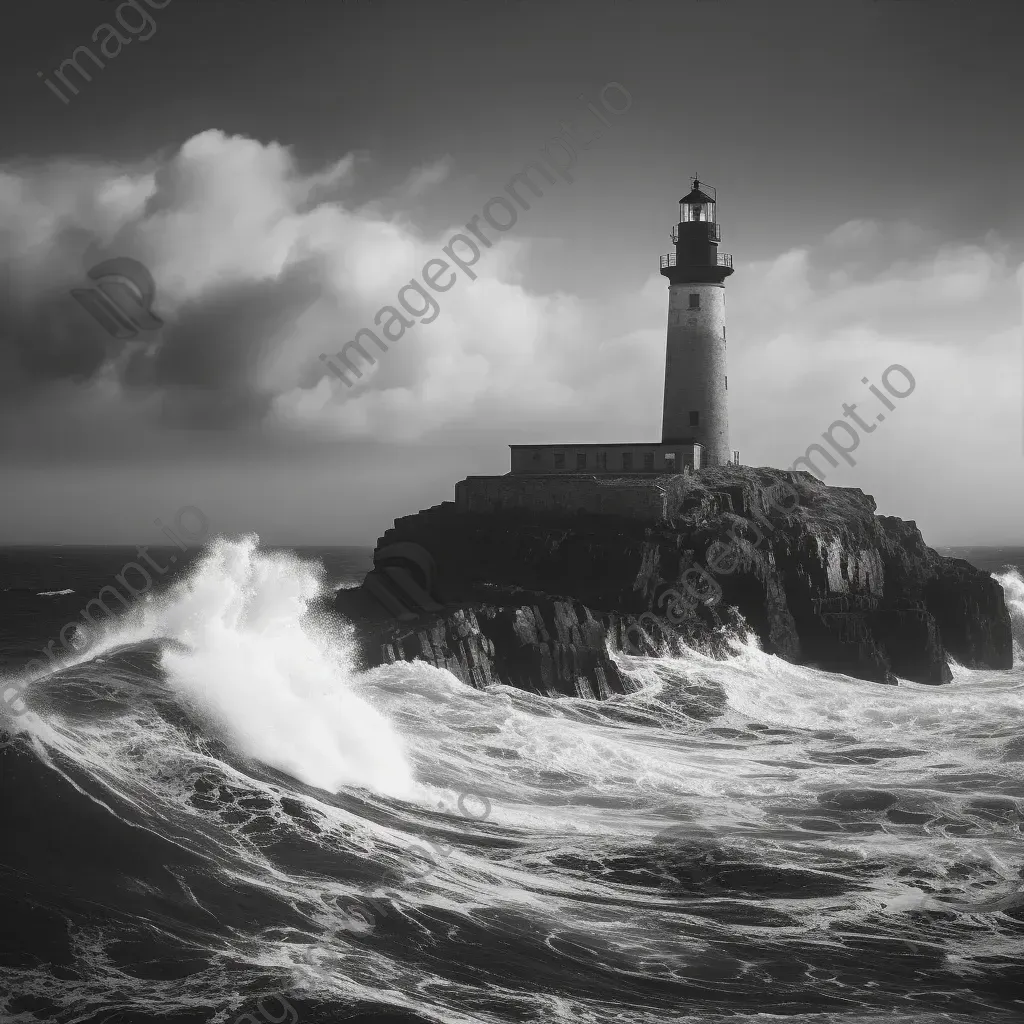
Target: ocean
x,y
211,812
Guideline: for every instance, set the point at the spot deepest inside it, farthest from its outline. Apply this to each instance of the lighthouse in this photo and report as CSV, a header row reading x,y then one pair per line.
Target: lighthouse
x,y
695,420
696,384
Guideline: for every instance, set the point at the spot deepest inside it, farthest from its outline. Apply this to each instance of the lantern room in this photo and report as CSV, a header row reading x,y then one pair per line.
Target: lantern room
x,y
696,237
697,205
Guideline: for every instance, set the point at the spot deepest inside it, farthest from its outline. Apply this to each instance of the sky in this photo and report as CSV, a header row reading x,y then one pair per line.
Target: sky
x,y
283,170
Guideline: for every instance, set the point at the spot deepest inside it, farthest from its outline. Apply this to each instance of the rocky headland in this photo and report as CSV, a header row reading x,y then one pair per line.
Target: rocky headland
x,y
505,586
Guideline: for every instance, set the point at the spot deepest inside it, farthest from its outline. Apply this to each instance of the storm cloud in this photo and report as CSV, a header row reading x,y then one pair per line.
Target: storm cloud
x,y
260,267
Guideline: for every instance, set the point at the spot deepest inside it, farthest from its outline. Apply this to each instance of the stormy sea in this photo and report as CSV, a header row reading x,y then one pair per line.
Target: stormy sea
x,y
211,812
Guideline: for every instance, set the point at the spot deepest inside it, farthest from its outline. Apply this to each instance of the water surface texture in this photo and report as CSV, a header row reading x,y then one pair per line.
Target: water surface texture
x,y
211,803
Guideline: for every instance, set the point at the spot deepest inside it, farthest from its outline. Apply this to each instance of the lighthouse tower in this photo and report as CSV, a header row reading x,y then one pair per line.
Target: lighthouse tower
x,y
696,385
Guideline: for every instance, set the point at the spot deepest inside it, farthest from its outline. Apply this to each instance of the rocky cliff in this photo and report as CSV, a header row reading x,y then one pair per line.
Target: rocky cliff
x,y
535,597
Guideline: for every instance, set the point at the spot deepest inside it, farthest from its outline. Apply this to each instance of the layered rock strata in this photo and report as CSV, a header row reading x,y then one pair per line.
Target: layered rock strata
x,y
536,586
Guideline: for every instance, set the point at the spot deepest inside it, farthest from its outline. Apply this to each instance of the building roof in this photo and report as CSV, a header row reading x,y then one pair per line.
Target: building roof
x,y
611,444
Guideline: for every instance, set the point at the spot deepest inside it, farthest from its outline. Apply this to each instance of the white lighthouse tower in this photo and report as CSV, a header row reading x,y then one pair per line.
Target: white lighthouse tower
x,y
696,385
695,422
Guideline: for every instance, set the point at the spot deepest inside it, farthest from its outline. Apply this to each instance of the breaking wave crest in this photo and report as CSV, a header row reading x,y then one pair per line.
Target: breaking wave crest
x,y
275,677
1013,592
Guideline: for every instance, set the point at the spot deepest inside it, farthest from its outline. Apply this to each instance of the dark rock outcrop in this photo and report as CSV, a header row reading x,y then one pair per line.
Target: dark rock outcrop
x,y
534,598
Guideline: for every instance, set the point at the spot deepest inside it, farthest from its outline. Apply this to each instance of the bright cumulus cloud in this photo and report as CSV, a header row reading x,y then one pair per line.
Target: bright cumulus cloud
x,y
260,268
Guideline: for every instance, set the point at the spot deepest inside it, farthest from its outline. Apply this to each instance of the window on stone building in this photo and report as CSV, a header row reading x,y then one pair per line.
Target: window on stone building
x,y
694,419
670,461
581,460
694,300
559,460
602,460
627,460
536,456
648,460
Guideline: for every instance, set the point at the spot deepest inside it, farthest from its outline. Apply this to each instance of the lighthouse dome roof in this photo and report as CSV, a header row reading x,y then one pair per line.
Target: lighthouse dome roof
x,y
697,195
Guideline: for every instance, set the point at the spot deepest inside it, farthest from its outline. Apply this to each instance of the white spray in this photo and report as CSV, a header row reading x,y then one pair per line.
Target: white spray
x,y
279,685
1013,593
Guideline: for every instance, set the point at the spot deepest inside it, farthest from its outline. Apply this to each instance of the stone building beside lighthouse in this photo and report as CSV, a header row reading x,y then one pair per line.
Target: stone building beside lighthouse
x,y
695,413
622,478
